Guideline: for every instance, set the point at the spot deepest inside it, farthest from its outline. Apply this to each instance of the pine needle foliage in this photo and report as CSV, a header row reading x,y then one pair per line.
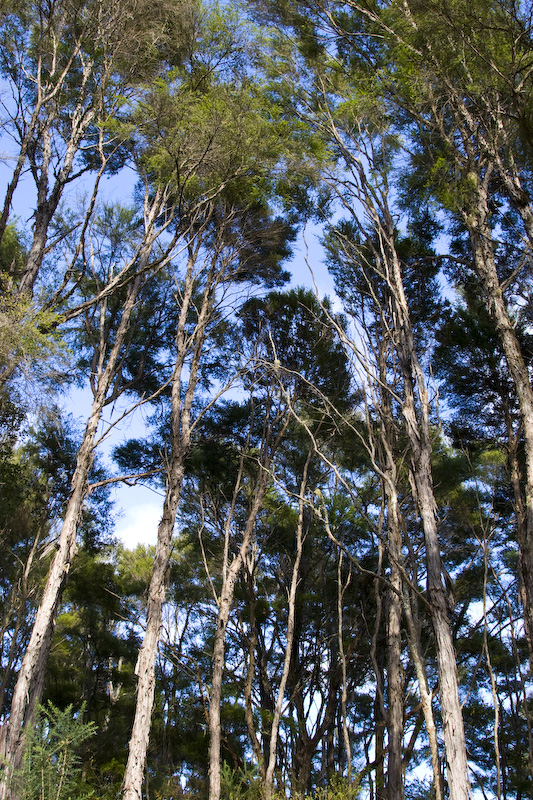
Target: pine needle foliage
x,y
52,765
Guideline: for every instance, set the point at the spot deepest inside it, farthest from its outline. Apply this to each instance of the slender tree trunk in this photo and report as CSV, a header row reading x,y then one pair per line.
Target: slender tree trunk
x,y
269,777
344,672
224,608
482,248
395,681
419,437
493,684
380,726
377,657
426,698
47,203
145,667
266,700
416,415
250,674
181,428
225,602
399,599
31,675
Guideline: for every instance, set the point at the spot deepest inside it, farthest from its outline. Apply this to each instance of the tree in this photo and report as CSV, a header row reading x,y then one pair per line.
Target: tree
x,y
105,368
472,135
65,93
296,342
220,191
380,259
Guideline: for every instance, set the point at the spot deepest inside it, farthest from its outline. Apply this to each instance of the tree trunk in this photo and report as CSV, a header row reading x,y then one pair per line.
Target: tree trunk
x,y
395,711
224,608
180,437
250,674
269,777
418,431
389,479
225,602
419,437
31,676
413,633
145,667
47,203
344,696
399,598
482,248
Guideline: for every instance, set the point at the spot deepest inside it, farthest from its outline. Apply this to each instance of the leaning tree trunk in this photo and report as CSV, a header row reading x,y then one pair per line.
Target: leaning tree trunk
x,y
30,679
388,273
416,415
180,437
399,600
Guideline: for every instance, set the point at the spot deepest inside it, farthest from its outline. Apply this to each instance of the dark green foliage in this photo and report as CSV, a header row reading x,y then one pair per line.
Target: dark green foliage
x,y
299,342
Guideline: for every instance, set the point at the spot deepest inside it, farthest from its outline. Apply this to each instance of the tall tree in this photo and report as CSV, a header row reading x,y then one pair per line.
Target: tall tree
x,y
222,182
384,265
105,367
71,69
465,123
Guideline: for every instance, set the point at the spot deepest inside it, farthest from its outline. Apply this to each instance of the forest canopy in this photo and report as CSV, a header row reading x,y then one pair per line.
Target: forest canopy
x,y
339,600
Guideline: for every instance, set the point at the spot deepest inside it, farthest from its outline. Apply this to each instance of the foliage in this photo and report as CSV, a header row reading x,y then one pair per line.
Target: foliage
x,y
27,335
52,766
338,788
403,129
29,339
245,784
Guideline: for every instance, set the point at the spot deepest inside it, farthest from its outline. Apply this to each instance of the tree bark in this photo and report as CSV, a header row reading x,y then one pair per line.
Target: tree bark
x,y
418,431
416,414
250,673
29,683
180,442
426,697
145,667
344,672
395,683
269,777
482,249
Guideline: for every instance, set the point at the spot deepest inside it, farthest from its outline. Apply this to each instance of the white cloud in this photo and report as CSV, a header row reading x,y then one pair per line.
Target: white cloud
x,y
141,513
